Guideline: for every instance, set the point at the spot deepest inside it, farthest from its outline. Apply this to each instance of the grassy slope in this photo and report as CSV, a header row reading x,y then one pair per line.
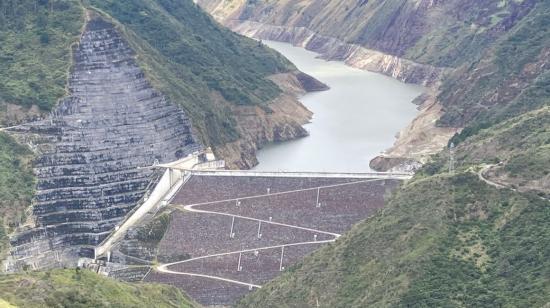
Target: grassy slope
x,y
455,39
82,288
522,143
35,53
16,185
509,78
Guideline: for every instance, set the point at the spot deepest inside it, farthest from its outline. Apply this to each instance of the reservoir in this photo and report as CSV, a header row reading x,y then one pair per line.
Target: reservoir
x,y
353,122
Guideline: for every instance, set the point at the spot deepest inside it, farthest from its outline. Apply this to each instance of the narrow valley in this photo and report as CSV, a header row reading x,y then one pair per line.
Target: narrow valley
x,y
261,153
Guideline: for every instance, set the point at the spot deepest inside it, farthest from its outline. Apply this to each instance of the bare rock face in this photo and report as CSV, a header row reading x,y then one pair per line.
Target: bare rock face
x,y
332,48
280,120
394,164
309,83
112,123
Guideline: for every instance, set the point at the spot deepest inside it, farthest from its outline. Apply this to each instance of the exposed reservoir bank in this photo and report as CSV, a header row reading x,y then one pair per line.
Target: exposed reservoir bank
x,y
353,122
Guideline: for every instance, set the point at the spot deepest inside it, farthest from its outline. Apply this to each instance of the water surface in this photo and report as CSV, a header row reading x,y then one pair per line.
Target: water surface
x,y
353,122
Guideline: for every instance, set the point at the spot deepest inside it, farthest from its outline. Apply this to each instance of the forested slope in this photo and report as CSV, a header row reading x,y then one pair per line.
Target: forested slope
x,y
510,77
35,55
16,185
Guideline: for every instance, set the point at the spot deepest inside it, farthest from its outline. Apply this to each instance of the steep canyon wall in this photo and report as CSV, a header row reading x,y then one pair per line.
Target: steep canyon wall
x,y
332,48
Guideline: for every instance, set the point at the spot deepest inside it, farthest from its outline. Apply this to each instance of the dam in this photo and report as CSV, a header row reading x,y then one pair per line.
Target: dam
x,y
219,234
356,119
231,232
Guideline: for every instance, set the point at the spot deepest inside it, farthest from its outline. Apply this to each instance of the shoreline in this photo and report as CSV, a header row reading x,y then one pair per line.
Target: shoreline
x,y
389,98
415,142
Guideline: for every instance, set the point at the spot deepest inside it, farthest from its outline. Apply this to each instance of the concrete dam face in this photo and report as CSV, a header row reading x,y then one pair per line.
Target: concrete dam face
x,y
111,123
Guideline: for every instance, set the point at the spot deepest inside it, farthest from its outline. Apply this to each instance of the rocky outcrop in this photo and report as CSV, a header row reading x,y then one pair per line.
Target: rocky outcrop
x,y
394,164
416,142
334,49
309,83
280,120
438,33
102,137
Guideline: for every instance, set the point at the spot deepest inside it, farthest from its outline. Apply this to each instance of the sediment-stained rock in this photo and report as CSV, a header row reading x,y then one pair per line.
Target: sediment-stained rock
x,y
334,49
280,120
417,141
111,124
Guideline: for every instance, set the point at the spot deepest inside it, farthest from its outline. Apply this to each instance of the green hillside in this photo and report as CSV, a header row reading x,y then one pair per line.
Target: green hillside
x,y
35,51
83,288
522,143
16,185
509,78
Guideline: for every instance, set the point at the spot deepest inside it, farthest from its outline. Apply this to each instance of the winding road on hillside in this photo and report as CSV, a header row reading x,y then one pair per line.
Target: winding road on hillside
x,y
481,174
164,268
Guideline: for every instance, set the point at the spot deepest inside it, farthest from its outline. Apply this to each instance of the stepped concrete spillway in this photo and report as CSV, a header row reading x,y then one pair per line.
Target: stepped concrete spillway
x,y
230,232
90,170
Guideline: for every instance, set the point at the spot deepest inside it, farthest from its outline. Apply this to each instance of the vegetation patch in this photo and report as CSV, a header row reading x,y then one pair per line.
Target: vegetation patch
x,y
154,230
35,53
16,185
521,144
505,80
83,288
